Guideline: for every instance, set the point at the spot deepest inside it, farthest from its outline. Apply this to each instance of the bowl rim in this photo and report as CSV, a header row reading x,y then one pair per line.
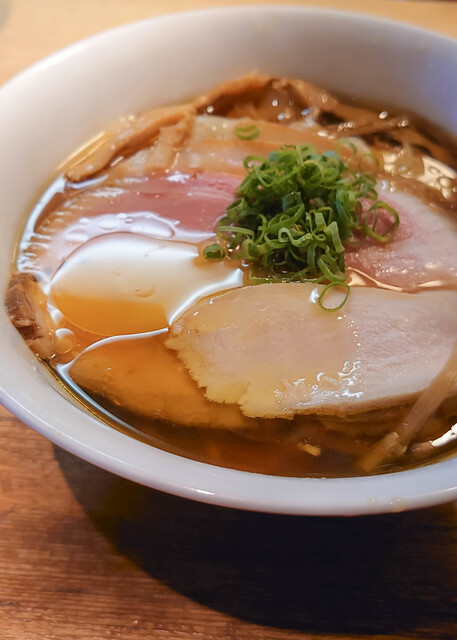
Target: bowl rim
x,y
72,48
219,485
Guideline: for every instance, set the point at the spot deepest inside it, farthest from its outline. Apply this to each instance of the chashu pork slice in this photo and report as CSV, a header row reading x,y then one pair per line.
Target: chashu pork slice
x,y
422,251
274,351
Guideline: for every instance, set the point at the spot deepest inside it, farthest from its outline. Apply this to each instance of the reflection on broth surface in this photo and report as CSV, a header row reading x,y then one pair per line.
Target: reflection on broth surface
x,y
152,319
105,286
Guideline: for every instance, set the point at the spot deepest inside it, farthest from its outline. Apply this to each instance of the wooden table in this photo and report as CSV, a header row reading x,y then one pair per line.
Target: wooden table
x,y
87,555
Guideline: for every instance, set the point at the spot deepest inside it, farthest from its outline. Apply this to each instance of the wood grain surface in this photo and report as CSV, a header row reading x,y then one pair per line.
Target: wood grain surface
x,y
87,555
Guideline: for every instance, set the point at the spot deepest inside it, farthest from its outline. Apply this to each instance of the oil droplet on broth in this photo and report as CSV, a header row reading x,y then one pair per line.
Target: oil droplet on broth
x,y
125,283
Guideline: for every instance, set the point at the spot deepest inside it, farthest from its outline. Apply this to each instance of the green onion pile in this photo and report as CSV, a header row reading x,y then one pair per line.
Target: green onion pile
x,y
296,212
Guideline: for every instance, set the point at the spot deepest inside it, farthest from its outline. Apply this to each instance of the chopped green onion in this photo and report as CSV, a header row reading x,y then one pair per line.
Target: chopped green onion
x,y
249,132
296,212
344,143
326,289
365,161
370,229
214,252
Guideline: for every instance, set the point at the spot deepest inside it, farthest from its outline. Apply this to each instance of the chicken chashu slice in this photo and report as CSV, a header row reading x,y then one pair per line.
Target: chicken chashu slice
x,y
274,351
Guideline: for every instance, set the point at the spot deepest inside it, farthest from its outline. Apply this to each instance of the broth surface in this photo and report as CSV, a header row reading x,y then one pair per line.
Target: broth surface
x,y
118,257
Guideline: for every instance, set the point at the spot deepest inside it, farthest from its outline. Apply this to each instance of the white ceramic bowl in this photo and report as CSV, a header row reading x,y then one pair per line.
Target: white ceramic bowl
x,y
47,111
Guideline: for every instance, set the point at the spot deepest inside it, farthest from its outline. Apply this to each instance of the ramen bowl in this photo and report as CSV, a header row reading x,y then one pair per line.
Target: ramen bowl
x,y
52,108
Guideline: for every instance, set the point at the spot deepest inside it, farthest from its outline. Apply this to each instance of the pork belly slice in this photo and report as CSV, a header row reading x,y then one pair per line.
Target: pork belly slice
x,y
271,348
144,377
422,251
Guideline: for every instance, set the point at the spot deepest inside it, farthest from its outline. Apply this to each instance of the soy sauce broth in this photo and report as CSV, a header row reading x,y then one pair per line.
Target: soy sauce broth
x,y
67,231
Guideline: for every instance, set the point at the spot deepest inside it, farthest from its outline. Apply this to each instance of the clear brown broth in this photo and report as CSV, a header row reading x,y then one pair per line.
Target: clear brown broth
x,y
304,446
